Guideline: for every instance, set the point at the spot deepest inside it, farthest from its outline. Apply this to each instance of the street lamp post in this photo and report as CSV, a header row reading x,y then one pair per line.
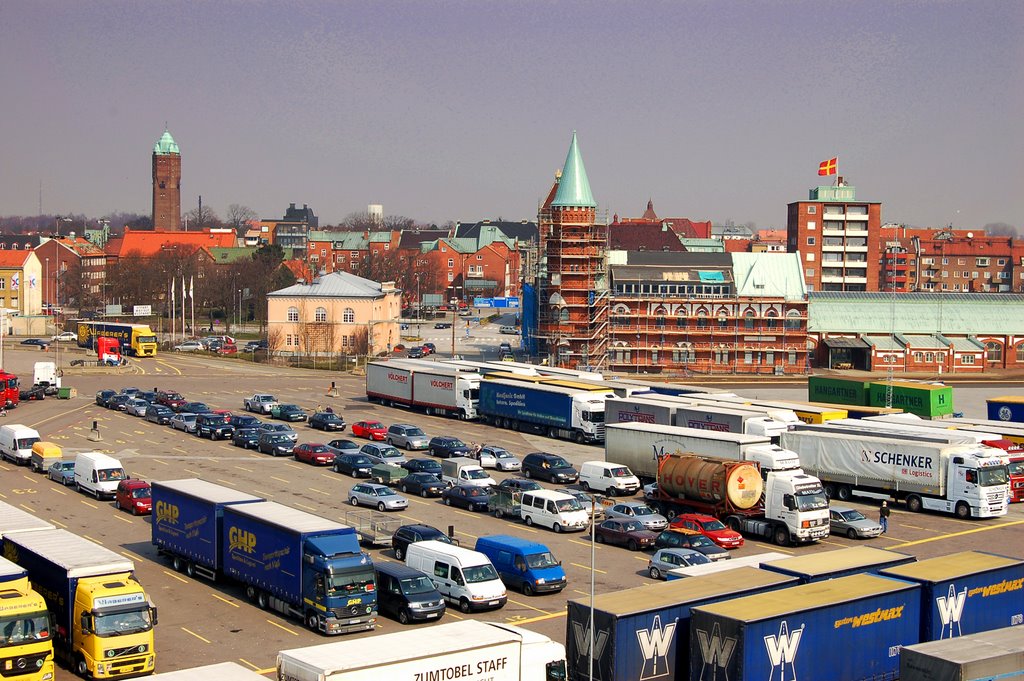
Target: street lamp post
x,y
455,317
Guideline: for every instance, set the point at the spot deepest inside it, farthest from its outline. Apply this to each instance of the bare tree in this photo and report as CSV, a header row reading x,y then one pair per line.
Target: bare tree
x,y
238,218
202,217
275,339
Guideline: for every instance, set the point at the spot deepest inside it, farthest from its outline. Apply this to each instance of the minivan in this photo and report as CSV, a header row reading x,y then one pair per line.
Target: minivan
x,y
523,564
408,436
16,442
98,474
406,594
463,577
554,509
607,477
550,467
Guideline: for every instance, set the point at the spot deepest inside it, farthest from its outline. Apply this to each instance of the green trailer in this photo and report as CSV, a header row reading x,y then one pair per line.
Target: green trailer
x,y
927,400
833,390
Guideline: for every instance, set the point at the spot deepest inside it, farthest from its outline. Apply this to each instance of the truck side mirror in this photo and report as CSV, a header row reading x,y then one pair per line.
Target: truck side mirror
x,y
152,615
86,623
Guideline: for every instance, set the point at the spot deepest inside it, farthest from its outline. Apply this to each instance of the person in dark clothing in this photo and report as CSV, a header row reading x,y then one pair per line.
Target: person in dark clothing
x,y
883,517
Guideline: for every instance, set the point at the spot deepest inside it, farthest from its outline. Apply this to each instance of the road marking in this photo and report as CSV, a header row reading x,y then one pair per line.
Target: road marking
x,y
60,491
234,605
58,523
587,568
28,477
162,462
448,613
226,482
308,508
91,539
541,618
88,503
960,534
292,464
527,605
643,558
189,631
171,574
287,482
293,633
189,470
466,534
265,494
771,547
319,491
243,468
331,477
255,668
63,413
123,519
169,366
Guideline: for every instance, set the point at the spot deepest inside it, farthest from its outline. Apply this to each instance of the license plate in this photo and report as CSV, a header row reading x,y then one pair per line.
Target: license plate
x,y
493,602
432,614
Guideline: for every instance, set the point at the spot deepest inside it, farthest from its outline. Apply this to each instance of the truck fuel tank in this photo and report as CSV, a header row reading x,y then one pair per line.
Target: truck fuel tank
x,y
691,476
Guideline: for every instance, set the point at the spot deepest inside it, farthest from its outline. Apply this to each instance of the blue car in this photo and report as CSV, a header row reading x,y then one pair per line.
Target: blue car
x,y
62,472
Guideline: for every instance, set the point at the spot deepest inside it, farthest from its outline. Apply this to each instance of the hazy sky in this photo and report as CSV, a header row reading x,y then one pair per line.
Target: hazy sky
x,y
463,110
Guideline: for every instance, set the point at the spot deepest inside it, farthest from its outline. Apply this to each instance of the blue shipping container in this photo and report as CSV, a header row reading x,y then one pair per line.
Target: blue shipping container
x,y
850,628
643,633
1009,408
525,403
854,560
966,593
187,518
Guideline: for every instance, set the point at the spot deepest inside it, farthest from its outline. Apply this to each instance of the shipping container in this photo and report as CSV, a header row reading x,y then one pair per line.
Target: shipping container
x,y
753,560
924,399
988,656
1006,408
966,593
643,633
860,412
854,560
834,390
844,629
805,411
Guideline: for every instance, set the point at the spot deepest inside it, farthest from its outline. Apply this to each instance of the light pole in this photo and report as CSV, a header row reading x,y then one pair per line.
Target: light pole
x,y
455,317
46,287
239,309
58,221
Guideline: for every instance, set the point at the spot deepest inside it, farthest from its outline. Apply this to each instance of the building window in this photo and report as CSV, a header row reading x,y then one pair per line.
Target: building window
x,y
792,321
654,356
620,353
702,320
451,262
967,359
748,357
918,357
771,320
945,261
810,241
809,272
683,353
723,320
792,357
994,351
451,276
748,320
320,315
348,316
681,321
1020,352
721,356
811,210
293,314
811,225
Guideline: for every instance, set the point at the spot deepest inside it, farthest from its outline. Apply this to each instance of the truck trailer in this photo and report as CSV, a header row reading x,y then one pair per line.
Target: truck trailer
x,y
290,561
25,631
849,628
13,519
435,387
134,339
644,632
853,560
556,411
467,651
753,560
990,655
103,618
968,480
686,413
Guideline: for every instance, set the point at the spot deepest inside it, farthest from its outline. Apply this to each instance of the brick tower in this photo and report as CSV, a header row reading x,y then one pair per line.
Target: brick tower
x,y
166,184
572,297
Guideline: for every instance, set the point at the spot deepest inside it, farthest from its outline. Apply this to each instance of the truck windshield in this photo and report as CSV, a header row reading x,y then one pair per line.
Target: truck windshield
x,y
18,630
416,585
1016,468
811,500
477,474
474,394
121,623
359,581
479,573
110,474
989,477
568,505
146,339
594,416
541,560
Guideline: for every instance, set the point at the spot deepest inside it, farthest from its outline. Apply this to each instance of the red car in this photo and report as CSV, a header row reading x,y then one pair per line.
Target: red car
x,y
371,430
315,454
170,399
134,495
228,349
712,528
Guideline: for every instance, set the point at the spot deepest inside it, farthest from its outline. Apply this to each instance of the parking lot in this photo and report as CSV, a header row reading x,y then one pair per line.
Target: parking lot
x,y
203,622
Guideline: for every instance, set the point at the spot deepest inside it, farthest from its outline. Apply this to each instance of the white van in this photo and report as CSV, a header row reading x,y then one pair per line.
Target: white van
x,y
16,442
98,474
511,330
464,577
558,510
465,471
607,477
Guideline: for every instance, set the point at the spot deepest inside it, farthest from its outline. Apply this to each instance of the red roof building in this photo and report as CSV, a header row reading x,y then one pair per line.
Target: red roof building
x,y
149,243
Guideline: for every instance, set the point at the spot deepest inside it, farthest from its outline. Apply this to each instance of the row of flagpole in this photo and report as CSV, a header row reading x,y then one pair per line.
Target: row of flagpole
x,y
189,293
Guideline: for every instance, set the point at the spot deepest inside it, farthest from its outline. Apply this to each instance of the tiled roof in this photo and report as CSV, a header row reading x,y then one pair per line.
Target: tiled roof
x,y
524,231
80,246
13,258
922,313
643,236
221,254
412,238
334,285
918,341
689,229
703,245
737,245
885,343
151,242
677,259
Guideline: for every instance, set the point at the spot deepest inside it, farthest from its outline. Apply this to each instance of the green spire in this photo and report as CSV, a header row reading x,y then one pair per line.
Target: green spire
x,y
574,187
166,145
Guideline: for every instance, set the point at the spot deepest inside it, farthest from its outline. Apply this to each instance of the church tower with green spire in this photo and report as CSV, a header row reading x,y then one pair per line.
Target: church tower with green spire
x,y
572,282
166,184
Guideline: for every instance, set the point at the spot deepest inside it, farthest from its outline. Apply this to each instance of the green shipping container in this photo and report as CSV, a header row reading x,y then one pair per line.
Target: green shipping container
x,y
927,401
833,390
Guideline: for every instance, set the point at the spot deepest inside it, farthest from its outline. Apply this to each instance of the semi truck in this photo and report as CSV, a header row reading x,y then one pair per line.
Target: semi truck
x,y
896,430
13,519
290,561
434,387
467,651
103,619
668,411
10,393
556,411
26,642
135,339
968,480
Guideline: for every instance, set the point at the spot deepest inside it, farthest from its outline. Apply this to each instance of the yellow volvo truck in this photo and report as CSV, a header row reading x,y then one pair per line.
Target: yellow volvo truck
x,y
26,643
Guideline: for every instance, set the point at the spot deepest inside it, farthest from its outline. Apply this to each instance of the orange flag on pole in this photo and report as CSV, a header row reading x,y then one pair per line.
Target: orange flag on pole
x,y
828,167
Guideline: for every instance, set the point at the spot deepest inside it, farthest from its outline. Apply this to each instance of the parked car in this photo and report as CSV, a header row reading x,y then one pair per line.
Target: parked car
x,y
136,407
327,421
261,403
344,446
590,502
214,426
690,539
638,511
228,349
624,532
243,421
443,325
184,421
134,495
189,346
280,428
410,534
550,467
355,464
414,352
193,408
62,472
407,594
469,497
117,402
254,345
382,453
275,443
381,497
423,466
423,484
499,458
246,437
159,414
371,430
852,523
38,342
147,395
314,453
519,485
170,399
35,392
712,528
65,337
446,447
103,395
407,436
429,348
289,412
664,560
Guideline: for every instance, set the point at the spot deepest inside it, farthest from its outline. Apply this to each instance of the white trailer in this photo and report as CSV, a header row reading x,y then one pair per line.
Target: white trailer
x,y
753,561
13,519
968,480
898,430
467,651
435,387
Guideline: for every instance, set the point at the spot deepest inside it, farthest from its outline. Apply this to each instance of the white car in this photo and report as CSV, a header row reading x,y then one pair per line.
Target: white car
x,y
189,346
137,407
498,458
65,336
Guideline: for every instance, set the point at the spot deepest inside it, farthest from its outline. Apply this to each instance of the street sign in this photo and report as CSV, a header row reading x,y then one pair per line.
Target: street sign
x,y
142,310
483,302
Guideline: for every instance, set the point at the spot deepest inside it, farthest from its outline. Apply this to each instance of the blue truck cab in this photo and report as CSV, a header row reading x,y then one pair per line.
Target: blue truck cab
x,y
522,564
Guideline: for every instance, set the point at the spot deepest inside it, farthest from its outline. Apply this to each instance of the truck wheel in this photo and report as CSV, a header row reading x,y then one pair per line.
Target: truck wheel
x,y
914,504
81,667
610,492
734,523
464,605
499,514
312,621
963,511
250,592
190,569
782,536
671,514
579,438
527,589
830,490
262,600
557,527
844,492
178,563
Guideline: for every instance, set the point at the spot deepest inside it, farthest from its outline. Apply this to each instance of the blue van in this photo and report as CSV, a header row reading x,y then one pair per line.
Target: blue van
x,y
406,594
523,564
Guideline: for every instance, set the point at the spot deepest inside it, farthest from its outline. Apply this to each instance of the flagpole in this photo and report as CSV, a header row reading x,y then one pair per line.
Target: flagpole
x,y
174,320
192,294
183,294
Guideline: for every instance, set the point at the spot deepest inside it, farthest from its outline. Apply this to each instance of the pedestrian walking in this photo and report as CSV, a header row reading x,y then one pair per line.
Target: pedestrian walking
x,y
883,517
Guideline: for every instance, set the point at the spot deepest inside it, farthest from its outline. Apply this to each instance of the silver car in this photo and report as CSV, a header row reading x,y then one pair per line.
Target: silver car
x,y
137,407
379,452
639,511
381,497
664,560
498,458
408,436
852,523
184,421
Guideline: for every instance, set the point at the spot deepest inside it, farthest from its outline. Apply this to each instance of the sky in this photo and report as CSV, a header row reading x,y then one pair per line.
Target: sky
x,y
445,110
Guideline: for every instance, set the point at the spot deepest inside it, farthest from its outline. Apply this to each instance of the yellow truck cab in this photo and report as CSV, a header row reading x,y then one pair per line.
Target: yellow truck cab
x,y
25,628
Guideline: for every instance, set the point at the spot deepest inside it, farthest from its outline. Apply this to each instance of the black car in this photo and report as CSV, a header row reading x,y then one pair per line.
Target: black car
x,y
327,420
415,352
244,421
423,484
423,466
550,467
253,346
518,485
276,444
443,325
469,497
117,402
193,408
159,414
690,539
406,594
246,437
410,534
356,465
213,426
446,447
103,395
147,395
38,342
288,412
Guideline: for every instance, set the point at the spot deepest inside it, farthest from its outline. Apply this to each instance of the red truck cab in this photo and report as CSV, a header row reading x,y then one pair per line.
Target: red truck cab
x,y
1015,454
135,496
108,350
9,391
